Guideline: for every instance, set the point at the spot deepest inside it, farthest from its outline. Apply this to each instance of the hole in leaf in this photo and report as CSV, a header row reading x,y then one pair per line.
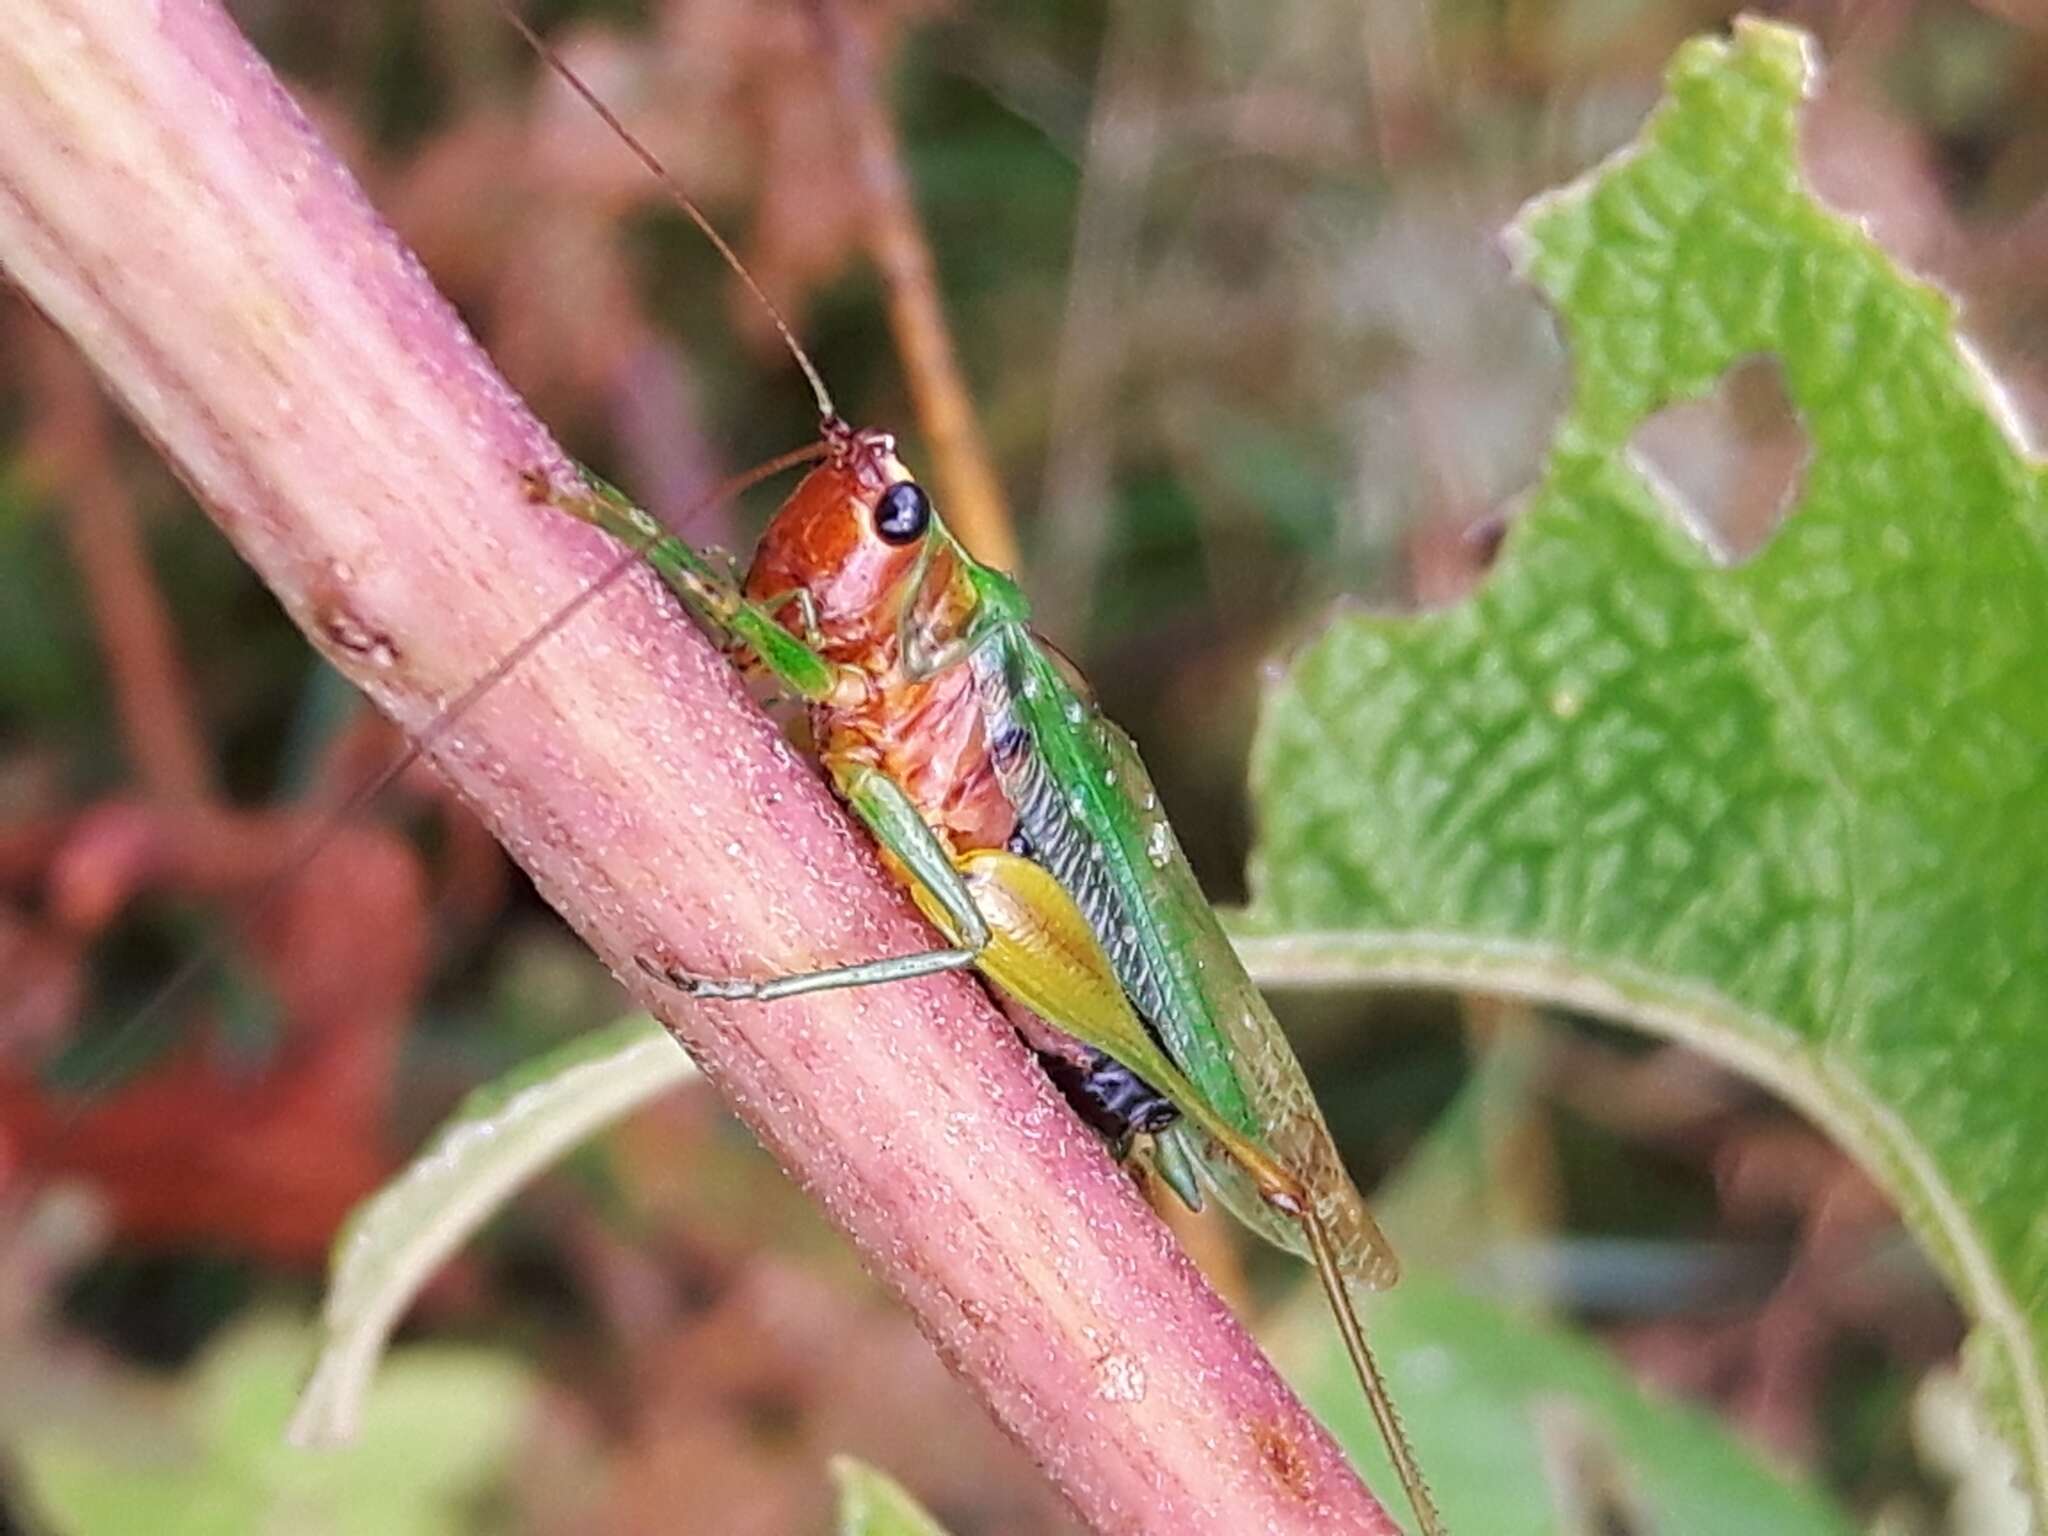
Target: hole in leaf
x,y
1735,458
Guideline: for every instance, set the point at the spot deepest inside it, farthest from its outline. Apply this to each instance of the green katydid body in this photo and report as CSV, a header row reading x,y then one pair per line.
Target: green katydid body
x,y
1029,831
1087,807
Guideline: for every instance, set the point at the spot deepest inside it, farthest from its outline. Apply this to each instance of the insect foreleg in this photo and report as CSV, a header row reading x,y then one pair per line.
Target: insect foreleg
x,y
806,606
886,811
924,660
709,591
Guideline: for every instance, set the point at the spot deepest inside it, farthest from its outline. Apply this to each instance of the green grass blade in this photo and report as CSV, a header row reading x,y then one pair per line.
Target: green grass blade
x,y
872,1503
500,1137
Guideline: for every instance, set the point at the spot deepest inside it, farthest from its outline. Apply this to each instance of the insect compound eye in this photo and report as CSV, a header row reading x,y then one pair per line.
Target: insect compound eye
x,y
903,513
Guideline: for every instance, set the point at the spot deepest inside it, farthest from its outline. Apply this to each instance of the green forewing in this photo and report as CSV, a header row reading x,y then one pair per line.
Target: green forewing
x,y
1087,805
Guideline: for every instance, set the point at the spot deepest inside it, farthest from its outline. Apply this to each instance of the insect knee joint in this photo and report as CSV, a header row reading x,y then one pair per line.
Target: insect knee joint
x,y
670,974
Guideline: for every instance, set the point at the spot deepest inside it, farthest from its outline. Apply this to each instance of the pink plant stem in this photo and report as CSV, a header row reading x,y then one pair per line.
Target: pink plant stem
x,y
164,202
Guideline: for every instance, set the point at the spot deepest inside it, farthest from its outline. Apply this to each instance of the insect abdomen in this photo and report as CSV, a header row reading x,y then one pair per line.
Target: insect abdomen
x,y
1113,1099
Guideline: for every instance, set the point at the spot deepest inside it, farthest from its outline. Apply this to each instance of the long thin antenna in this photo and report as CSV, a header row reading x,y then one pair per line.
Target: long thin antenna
x,y
1367,1365
682,199
202,960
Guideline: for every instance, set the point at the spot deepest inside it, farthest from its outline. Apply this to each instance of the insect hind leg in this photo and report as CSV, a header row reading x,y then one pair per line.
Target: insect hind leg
x,y
832,978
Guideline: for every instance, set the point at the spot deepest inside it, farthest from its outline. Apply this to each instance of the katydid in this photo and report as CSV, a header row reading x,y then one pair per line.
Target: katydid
x,y
1027,830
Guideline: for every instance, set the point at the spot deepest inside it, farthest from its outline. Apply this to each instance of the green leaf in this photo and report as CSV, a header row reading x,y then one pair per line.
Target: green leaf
x,y
437,1434
1526,1431
1791,811
872,1503
500,1137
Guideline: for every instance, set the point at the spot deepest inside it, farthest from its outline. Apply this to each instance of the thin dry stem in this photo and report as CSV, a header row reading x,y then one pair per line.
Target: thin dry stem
x,y
969,489
152,691
1123,145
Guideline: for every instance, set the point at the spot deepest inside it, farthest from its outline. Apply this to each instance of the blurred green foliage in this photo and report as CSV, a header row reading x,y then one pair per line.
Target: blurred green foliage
x,y
211,1458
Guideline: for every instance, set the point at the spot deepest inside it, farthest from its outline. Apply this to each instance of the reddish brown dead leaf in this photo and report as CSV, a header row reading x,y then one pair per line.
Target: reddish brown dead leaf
x,y
197,1151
